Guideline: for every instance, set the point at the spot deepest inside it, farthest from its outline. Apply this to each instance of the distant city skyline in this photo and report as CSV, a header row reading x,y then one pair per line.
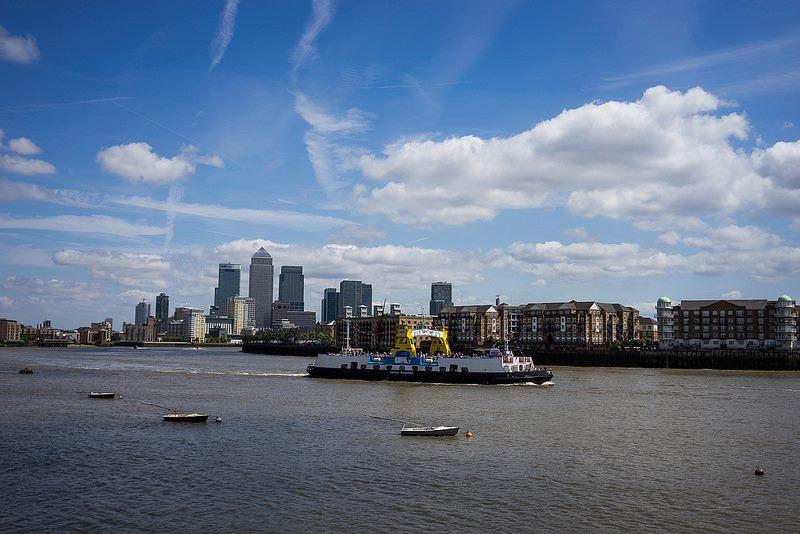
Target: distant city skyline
x,y
398,144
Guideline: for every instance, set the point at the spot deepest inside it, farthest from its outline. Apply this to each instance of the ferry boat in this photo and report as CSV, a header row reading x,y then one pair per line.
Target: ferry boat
x,y
403,363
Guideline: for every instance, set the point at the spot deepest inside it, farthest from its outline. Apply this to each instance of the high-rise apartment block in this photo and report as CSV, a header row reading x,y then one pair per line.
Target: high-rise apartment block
x,y
441,297
243,312
732,324
330,305
261,285
162,312
354,293
290,287
229,284
142,312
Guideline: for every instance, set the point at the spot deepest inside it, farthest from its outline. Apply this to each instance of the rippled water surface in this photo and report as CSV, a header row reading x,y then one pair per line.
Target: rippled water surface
x,y
603,449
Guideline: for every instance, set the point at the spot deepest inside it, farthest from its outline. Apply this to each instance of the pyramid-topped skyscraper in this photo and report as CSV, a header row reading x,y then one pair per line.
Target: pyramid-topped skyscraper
x,y
261,281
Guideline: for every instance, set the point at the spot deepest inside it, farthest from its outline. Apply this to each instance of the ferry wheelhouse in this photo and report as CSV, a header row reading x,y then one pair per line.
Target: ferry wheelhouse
x,y
440,365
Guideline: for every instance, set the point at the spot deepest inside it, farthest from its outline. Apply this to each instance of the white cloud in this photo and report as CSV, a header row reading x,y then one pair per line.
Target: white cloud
x,y
25,166
733,294
10,191
224,32
137,161
780,162
322,12
664,155
127,268
583,260
81,224
322,121
390,268
51,288
23,145
280,218
16,48
580,233
6,301
670,238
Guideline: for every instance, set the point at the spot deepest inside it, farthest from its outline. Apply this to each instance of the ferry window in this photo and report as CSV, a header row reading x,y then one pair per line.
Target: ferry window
x,y
402,367
363,365
454,368
464,370
376,367
344,366
388,367
442,369
414,368
353,365
428,368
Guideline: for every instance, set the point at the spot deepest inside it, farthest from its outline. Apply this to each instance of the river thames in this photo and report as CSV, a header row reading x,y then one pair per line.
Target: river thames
x,y
601,450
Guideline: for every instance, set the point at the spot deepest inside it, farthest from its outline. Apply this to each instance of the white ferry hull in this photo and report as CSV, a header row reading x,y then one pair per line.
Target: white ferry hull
x,y
445,370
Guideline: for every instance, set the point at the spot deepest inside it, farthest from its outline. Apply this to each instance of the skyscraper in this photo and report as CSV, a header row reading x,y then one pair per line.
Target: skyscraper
x,y
261,280
162,312
290,287
441,296
229,285
354,293
330,305
142,312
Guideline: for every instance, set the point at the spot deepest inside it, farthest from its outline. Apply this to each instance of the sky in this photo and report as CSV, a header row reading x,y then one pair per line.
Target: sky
x,y
540,151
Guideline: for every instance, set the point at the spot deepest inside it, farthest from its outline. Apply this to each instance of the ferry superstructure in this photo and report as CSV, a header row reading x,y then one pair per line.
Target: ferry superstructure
x,y
403,363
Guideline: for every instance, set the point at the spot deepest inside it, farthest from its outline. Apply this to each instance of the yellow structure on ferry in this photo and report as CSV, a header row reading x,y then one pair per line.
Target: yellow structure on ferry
x,y
406,341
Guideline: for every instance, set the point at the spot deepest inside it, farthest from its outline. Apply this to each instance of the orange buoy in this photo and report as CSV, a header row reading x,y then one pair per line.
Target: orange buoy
x,y
759,471
468,433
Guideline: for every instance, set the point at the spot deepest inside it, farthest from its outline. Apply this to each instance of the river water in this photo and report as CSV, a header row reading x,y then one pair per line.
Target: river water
x,y
601,450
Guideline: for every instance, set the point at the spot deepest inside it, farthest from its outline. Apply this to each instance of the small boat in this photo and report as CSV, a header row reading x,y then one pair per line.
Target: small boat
x,y
186,417
429,430
101,395
26,371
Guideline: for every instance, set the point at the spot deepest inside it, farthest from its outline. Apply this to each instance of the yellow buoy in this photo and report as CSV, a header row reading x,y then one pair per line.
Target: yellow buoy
x,y
468,434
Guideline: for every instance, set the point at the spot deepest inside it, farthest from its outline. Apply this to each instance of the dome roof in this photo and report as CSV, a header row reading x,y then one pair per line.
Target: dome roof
x,y
784,298
664,300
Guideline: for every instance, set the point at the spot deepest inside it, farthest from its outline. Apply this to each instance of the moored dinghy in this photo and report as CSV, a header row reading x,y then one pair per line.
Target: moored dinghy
x,y
174,416
413,430
101,395
186,417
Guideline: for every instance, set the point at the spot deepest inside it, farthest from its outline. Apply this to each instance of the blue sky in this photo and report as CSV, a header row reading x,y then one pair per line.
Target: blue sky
x,y
541,151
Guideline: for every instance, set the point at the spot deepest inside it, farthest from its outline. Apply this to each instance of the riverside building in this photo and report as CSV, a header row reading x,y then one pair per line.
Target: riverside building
x,y
354,293
724,323
142,312
243,312
577,324
378,333
330,305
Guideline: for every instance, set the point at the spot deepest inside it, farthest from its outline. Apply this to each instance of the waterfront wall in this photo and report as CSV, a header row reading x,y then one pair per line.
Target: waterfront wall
x,y
756,360
288,349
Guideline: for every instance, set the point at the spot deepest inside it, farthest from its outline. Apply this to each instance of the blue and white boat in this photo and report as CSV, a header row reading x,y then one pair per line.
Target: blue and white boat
x,y
403,363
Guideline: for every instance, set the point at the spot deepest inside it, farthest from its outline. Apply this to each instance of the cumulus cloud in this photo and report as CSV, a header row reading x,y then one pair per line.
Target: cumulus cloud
x,y
669,153
224,32
16,48
25,166
781,162
733,294
137,161
127,268
23,145
81,224
391,268
584,260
